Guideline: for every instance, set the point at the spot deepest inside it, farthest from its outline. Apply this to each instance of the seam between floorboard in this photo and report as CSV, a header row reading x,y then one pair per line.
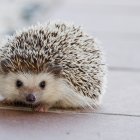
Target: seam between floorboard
x,y
73,112
124,69
98,113
118,114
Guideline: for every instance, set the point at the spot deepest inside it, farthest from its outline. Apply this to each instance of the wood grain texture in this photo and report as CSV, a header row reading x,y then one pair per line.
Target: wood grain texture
x,y
52,126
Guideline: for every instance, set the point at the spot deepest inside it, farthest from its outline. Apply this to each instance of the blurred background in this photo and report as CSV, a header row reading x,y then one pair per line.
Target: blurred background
x,y
115,23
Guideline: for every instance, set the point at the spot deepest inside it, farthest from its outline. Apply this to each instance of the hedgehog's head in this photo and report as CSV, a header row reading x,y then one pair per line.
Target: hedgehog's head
x,y
29,87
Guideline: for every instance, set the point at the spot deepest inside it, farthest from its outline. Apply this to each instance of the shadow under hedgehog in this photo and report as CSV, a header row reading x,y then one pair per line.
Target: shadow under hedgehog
x,y
52,65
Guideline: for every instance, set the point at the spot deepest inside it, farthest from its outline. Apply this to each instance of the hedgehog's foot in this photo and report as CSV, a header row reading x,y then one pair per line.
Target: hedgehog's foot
x,y
7,102
41,108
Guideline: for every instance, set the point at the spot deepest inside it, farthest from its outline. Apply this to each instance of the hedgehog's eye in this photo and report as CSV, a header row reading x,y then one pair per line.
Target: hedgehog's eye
x,y
19,83
42,84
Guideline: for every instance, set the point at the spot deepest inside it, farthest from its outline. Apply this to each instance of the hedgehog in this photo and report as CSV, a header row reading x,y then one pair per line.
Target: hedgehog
x,y
52,65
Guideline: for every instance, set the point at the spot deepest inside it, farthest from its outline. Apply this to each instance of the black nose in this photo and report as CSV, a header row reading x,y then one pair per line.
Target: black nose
x,y
30,98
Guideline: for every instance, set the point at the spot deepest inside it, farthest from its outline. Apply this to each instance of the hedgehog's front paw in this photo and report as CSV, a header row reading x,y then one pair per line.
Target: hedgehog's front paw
x,y
41,108
7,102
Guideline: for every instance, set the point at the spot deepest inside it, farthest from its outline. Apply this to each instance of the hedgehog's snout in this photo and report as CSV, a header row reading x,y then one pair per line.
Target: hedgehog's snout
x,y
30,98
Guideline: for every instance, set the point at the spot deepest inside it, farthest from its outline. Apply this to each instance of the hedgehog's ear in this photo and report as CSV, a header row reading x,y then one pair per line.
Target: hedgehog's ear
x,y
55,69
3,64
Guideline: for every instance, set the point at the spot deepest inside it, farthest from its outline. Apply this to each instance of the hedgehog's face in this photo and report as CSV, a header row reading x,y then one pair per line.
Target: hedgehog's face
x,y
30,88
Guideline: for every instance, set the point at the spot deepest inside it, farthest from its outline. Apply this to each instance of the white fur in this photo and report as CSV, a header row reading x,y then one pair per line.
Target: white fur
x,y
57,92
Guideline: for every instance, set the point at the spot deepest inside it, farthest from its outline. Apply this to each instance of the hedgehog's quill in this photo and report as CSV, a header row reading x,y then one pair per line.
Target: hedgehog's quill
x,y
52,65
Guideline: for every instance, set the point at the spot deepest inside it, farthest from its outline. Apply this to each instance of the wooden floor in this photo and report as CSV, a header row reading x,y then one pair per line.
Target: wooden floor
x,y
117,25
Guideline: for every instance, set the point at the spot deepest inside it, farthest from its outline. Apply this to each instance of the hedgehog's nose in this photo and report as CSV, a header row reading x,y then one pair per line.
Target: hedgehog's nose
x,y
30,98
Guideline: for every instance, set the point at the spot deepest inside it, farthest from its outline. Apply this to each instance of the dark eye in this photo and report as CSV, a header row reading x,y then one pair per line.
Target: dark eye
x,y
19,83
42,84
